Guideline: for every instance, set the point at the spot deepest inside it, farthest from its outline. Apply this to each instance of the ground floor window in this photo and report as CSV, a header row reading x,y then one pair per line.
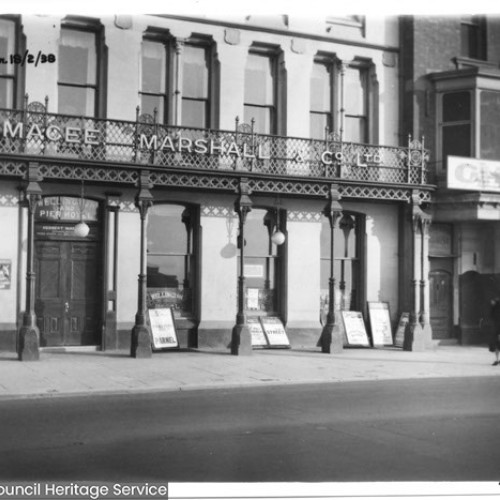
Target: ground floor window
x,y
171,258
347,263
262,262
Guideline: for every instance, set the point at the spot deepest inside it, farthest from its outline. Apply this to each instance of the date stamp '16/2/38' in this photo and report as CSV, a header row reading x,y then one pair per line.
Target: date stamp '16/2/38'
x,y
28,58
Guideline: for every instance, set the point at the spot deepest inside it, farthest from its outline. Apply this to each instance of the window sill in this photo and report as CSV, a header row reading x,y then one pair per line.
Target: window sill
x,y
465,62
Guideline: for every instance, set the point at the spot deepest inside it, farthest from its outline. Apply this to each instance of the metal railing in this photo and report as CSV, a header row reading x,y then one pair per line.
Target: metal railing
x,y
35,132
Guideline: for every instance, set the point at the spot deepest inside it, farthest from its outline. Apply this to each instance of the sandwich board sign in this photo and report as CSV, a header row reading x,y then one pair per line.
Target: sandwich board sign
x,y
274,331
355,328
256,333
380,322
161,321
399,338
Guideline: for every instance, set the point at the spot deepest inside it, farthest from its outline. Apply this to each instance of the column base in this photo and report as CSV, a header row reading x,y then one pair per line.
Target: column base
x,y
141,342
414,338
241,340
331,339
427,334
29,344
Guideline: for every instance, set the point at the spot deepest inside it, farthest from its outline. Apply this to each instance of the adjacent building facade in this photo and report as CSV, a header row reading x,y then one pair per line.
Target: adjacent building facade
x,y
452,94
141,155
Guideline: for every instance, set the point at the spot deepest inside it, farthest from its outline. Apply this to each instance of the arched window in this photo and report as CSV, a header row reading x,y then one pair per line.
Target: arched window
x,y
171,258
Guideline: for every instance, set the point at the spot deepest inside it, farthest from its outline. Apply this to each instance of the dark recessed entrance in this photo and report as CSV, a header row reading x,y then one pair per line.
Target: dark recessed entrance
x,y
68,270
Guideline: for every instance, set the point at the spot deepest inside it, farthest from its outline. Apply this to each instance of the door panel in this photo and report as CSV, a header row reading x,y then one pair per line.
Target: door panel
x,y
49,304
68,292
441,300
84,303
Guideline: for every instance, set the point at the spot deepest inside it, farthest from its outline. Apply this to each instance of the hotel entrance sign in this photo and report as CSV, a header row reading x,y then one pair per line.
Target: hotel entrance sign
x,y
472,174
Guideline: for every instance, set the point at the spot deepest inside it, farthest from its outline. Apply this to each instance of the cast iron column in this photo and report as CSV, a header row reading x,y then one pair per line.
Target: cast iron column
x,y
331,338
29,334
424,283
241,341
141,336
413,334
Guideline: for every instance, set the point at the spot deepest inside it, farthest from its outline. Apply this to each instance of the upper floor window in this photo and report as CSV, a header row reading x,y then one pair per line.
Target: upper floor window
x,y
260,92
468,115
196,86
456,125
473,37
356,104
153,94
322,99
9,73
341,100
78,86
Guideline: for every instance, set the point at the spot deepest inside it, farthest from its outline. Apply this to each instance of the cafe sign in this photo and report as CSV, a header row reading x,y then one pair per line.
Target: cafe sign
x,y
472,174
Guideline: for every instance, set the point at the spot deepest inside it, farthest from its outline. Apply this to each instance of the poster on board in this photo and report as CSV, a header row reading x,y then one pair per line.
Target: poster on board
x,y
256,333
274,331
163,330
5,274
355,328
380,323
399,338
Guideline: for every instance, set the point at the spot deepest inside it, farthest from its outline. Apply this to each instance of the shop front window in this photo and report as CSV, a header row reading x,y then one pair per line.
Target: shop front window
x,y
171,259
347,262
262,262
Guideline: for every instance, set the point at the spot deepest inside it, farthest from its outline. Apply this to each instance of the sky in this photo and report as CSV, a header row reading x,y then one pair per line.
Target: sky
x,y
235,7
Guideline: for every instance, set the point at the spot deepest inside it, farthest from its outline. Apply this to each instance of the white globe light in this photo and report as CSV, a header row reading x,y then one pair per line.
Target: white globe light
x,y
278,238
81,229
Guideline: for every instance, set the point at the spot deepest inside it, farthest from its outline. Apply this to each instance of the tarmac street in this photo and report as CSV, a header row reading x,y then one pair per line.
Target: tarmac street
x,y
278,415
427,429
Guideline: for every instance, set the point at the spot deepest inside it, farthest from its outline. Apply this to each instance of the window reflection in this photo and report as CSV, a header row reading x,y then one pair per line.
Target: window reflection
x,y
77,72
347,263
261,262
170,263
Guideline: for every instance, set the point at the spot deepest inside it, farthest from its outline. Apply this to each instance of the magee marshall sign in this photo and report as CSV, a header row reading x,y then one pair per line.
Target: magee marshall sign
x,y
177,143
144,142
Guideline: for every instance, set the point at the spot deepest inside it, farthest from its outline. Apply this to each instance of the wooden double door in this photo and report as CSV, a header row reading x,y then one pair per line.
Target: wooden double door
x,y
68,301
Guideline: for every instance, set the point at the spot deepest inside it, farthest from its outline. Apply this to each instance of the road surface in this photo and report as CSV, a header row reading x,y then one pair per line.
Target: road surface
x,y
406,430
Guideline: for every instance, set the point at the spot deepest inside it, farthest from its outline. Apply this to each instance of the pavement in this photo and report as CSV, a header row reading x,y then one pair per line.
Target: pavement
x,y
83,371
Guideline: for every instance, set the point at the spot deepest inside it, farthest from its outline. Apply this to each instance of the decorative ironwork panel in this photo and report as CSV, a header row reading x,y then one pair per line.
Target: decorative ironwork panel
x,y
97,174
193,181
13,168
374,192
143,142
